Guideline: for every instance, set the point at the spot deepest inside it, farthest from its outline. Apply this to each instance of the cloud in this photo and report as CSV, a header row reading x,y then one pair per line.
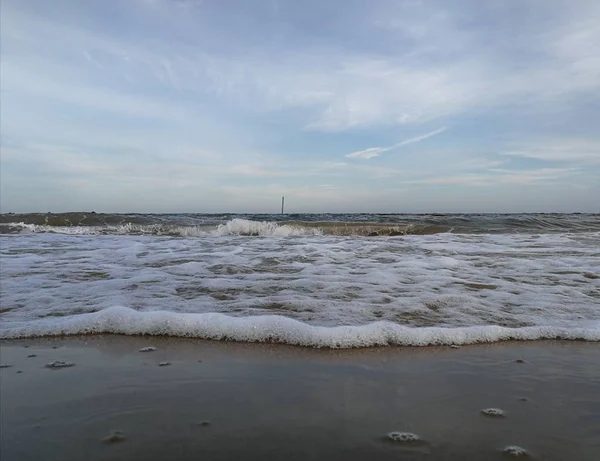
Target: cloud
x,y
90,97
376,151
257,171
335,165
479,164
369,153
560,150
495,177
438,68
183,100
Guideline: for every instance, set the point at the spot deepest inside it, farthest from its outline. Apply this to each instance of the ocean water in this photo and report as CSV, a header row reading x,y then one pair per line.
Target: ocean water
x,y
311,280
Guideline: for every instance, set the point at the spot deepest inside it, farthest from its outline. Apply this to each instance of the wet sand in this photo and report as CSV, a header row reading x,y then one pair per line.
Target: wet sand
x,y
220,401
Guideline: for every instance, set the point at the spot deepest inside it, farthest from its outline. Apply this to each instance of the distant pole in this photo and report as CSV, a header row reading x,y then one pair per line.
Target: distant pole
x,y
282,202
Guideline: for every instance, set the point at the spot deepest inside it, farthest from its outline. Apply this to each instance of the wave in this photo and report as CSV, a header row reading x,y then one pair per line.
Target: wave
x,y
368,225
196,227
235,227
279,329
80,219
263,229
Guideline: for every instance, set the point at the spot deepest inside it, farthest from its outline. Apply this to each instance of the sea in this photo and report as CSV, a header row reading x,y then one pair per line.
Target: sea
x,y
313,280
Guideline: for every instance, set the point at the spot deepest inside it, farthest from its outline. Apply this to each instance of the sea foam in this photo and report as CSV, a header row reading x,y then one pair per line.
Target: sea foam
x,y
279,329
234,227
321,291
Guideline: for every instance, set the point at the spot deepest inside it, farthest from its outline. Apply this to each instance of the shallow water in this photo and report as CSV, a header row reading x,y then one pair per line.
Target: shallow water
x,y
278,402
312,290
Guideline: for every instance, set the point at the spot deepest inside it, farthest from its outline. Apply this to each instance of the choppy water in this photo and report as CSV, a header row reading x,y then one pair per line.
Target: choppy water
x,y
313,280
297,224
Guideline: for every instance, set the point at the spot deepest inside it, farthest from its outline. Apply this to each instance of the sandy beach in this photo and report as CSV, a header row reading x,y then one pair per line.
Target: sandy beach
x,y
192,399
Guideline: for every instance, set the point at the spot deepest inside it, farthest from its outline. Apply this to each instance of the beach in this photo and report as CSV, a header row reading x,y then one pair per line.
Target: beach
x,y
299,337
299,230
195,399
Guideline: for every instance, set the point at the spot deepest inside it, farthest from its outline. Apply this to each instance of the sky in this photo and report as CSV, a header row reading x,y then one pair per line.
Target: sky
x,y
339,105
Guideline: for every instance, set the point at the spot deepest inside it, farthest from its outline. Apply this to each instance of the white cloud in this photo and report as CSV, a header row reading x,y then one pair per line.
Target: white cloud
x,y
173,98
560,150
336,165
64,89
495,177
376,151
258,171
368,153
342,89
479,164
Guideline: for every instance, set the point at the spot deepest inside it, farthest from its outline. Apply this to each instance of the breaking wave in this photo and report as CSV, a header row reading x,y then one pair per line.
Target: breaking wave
x,y
279,329
367,225
235,227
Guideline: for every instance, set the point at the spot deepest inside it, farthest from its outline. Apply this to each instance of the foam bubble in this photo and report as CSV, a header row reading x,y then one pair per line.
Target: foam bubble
x,y
320,291
515,451
494,412
404,437
147,349
60,364
279,329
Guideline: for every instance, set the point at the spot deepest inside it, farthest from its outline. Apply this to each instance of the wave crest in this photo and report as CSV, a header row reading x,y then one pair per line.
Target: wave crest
x,y
235,227
280,329
186,225
263,229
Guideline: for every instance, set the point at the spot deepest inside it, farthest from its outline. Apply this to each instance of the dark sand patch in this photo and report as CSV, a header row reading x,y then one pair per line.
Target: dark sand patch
x,y
267,401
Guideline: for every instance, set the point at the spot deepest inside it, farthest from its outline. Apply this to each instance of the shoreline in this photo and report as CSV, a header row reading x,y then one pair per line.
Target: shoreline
x,y
278,329
224,400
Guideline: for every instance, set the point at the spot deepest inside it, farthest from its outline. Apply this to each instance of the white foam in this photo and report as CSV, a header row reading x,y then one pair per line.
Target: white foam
x,y
403,437
235,227
494,412
148,349
516,452
122,320
321,291
239,226
60,364
114,229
